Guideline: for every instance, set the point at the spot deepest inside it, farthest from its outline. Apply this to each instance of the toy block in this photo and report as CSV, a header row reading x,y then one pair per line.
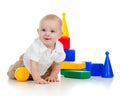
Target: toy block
x,y
21,74
63,70
88,65
107,68
96,69
70,55
73,65
65,41
64,27
78,74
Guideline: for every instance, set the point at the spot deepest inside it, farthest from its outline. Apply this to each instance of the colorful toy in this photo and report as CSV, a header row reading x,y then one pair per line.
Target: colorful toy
x,y
65,41
107,68
88,65
73,65
64,27
70,55
21,74
96,69
79,74
62,71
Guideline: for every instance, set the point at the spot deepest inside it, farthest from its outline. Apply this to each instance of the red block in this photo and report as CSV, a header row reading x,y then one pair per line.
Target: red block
x,y
65,41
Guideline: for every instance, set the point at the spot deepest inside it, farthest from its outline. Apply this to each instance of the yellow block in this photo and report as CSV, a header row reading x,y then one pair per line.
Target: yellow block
x,y
73,65
64,27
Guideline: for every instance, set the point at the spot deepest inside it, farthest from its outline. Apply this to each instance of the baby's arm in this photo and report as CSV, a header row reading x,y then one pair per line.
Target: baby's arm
x,y
35,73
54,74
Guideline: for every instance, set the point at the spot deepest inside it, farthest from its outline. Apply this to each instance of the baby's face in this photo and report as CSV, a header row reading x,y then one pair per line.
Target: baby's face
x,y
49,31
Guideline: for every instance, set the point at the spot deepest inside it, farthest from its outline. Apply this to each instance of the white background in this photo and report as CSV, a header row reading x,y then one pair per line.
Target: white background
x,y
94,27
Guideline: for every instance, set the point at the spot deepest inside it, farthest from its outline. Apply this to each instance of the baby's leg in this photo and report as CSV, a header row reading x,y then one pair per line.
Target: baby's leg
x,y
13,67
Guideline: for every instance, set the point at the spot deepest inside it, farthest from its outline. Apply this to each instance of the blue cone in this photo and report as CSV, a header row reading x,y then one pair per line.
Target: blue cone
x,y
107,68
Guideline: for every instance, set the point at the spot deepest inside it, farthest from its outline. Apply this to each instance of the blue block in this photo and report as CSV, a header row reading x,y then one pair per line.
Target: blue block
x,y
88,65
96,69
70,55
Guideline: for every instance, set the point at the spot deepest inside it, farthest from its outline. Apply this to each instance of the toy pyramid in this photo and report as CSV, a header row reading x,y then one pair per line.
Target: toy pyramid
x,y
70,68
65,40
107,68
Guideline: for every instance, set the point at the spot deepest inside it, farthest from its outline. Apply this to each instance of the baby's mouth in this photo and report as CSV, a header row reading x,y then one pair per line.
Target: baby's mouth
x,y
47,38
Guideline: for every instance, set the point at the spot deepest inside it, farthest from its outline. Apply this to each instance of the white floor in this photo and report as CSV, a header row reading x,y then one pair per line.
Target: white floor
x,y
95,86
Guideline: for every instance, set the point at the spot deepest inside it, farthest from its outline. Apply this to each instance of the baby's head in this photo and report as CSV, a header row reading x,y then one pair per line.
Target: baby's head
x,y
50,30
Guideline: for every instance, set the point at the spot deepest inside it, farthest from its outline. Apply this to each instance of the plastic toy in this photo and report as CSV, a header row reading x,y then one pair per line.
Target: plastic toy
x,y
21,74
96,69
70,55
64,27
73,69
65,41
107,68
62,71
88,65
73,65
79,74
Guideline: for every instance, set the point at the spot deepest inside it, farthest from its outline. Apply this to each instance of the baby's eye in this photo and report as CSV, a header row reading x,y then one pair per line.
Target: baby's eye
x,y
43,30
52,31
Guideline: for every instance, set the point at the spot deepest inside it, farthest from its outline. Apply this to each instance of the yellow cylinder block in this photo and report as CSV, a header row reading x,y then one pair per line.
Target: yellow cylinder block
x,y
73,65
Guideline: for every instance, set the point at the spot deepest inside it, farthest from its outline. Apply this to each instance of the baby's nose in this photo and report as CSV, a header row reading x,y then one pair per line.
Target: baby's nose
x,y
47,33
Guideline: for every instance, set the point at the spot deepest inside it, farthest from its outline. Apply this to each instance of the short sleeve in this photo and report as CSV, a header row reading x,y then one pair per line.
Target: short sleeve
x,y
61,56
35,52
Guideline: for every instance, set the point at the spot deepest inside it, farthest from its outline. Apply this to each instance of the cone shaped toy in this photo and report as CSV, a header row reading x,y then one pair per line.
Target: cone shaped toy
x,y
64,27
107,68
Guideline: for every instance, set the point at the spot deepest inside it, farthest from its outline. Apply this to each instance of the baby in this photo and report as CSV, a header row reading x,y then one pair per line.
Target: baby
x,y
43,58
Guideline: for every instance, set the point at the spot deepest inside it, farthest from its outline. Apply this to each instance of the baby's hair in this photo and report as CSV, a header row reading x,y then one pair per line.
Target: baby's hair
x,y
52,17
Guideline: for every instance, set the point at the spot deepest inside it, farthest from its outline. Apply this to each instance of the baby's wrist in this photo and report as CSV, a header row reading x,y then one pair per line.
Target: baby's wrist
x,y
54,76
36,79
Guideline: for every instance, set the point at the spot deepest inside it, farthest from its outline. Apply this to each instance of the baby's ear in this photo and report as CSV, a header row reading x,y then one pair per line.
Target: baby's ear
x,y
61,33
38,30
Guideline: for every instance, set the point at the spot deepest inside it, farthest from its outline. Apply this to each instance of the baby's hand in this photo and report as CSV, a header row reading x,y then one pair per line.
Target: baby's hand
x,y
51,79
41,81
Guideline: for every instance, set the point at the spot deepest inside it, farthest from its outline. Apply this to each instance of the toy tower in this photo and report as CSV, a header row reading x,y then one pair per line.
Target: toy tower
x,y
70,68
65,40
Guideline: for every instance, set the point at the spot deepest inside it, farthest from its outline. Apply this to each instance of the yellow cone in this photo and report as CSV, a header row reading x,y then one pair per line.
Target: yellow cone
x,y
64,27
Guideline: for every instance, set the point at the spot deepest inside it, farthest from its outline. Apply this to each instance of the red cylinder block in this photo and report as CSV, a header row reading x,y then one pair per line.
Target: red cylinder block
x,y
65,41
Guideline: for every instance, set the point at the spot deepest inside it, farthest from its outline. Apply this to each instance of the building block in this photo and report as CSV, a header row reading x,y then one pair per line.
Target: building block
x,y
88,65
96,69
64,27
63,70
21,74
78,74
73,65
65,41
107,68
70,55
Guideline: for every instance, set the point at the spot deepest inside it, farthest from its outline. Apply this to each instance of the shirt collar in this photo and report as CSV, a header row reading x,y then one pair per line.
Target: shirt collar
x,y
57,46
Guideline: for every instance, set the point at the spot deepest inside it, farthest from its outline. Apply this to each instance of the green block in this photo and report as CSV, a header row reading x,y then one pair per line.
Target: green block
x,y
79,74
64,70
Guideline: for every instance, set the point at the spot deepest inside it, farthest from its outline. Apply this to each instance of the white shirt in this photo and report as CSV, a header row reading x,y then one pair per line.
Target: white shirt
x,y
40,53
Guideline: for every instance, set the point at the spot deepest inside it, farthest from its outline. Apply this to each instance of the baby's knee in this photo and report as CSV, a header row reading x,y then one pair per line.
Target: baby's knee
x,y
11,72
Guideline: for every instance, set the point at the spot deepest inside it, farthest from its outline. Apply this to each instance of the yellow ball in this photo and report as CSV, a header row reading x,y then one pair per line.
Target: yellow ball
x,y
21,74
